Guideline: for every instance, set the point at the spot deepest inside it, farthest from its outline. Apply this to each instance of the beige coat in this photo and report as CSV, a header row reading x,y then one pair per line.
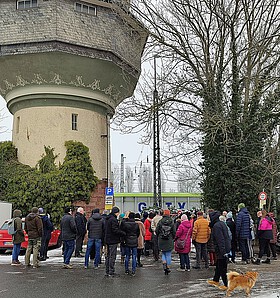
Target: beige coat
x,y
142,234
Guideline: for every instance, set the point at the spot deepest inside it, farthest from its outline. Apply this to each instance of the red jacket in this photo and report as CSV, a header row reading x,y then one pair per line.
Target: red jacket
x,y
147,224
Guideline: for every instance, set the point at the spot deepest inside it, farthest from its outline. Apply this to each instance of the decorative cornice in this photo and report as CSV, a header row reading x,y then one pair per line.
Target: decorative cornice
x,y
57,79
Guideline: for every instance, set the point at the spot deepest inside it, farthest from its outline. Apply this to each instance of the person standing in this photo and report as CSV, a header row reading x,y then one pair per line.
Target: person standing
x,y
243,232
154,223
166,231
148,234
272,243
18,237
184,232
81,224
34,229
47,232
265,235
140,245
68,236
96,229
132,231
112,238
201,235
222,244
231,224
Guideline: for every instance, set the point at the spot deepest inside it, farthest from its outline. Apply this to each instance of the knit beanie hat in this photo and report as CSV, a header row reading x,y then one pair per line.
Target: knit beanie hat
x,y
229,215
115,210
184,217
166,212
241,205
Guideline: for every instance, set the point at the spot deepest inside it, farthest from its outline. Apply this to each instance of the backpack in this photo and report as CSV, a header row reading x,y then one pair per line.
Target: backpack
x,y
11,227
165,231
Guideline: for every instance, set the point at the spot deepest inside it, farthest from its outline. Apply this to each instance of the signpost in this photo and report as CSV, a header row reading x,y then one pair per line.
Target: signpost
x,y
262,198
109,198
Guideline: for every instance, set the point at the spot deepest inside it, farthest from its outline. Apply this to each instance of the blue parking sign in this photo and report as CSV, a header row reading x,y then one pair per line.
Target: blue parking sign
x,y
109,191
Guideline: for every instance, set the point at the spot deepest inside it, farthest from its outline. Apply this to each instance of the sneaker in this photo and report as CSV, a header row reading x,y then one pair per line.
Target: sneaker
x,y
242,263
95,267
188,270
180,269
213,283
267,261
18,262
86,267
196,267
67,266
274,258
14,263
126,272
132,273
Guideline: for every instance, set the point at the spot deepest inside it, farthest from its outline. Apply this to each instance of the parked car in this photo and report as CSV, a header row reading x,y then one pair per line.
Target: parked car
x,y
6,242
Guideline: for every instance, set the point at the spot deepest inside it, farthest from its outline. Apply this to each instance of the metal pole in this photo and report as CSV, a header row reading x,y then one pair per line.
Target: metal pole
x,y
156,145
122,174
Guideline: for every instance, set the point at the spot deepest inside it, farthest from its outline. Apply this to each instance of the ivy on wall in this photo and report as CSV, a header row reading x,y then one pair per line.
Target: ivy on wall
x,y
47,185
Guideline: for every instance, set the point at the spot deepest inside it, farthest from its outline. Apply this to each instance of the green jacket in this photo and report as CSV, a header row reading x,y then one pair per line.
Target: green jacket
x,y
166,244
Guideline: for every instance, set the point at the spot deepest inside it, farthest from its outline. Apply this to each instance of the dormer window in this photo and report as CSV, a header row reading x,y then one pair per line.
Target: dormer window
x,y
24,4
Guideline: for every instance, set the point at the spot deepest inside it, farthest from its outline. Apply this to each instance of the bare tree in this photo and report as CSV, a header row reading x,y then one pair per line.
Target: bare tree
x,y
218,80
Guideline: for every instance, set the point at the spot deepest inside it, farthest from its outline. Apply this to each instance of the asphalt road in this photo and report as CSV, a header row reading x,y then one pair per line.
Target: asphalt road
x,y
51,281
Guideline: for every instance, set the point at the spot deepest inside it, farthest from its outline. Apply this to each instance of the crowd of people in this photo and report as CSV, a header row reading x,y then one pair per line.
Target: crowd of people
x,y
215,236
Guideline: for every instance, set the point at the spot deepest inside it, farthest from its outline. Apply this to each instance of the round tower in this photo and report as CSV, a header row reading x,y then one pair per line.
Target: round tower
x,y
65,66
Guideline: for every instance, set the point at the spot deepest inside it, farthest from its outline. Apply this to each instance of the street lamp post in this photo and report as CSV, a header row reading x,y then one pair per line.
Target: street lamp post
x,y
156,144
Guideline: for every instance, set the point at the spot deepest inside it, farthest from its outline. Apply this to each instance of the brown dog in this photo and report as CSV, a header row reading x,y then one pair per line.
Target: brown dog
x,y
241,281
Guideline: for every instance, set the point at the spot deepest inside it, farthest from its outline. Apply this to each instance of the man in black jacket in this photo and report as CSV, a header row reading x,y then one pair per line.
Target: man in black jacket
x,y
68,236
222,243
96,229
112,238
81,223
131,228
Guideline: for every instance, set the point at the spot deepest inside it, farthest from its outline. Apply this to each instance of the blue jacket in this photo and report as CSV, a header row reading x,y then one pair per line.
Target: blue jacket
x,y
243,230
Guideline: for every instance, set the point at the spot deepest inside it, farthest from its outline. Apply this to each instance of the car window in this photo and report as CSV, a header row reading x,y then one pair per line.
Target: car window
x,y
4,226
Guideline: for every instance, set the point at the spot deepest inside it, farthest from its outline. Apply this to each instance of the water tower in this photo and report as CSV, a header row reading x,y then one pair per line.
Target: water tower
x,y
65,66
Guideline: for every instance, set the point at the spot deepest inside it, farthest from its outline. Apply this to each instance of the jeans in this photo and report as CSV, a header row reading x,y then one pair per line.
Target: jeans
x,y
33,245
201,251
111,258
16,251
68,250
166,257
97,244
184,261
44,247
128,252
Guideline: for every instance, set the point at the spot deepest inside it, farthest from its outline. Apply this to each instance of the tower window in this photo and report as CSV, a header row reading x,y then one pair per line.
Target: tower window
x,y
89,9
74,121
23,4
17,124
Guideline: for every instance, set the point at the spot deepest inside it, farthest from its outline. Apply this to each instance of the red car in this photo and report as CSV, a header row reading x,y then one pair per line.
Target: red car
x,y
6,242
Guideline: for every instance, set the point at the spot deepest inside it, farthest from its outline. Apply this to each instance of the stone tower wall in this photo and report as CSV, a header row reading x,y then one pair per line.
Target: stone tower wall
x,y
58,21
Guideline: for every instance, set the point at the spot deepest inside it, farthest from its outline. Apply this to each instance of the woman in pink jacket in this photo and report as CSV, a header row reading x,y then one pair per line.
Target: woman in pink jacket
x,y
184,232
265,235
